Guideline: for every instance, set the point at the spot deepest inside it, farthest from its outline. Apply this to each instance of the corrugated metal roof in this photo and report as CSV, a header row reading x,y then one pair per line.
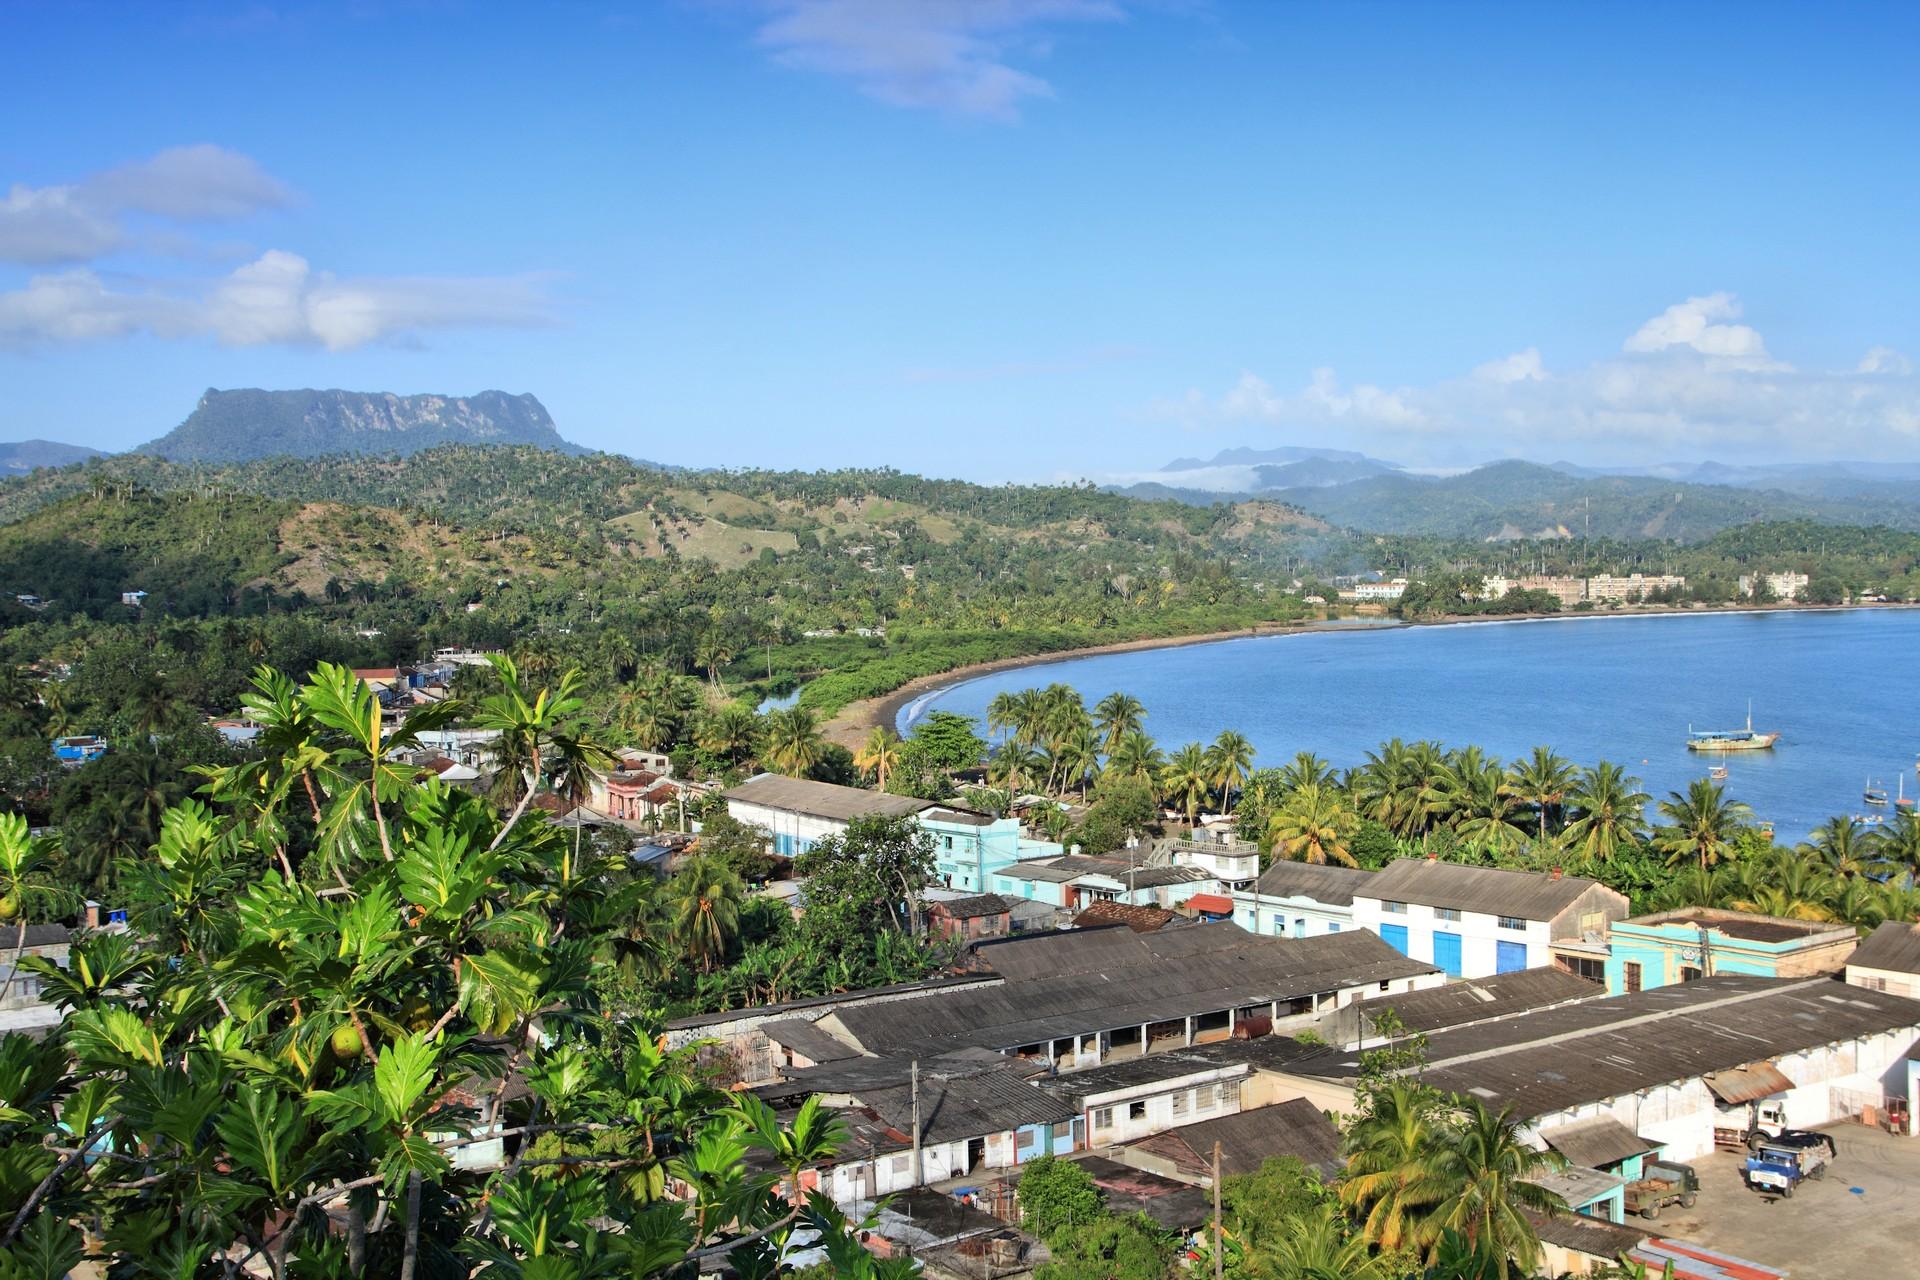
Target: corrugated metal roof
x,y
1596,1143
1595,1237
1496,891
1894,946
1480,999
808,1040
1697,1262
968,1106
821,799
1248,1139
1593,1050
1750,1083
1334,886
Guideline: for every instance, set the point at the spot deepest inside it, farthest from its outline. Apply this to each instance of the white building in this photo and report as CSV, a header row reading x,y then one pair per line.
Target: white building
x,y
1782,586
1299,900
1375,592
1143,1096
1674,1064
1889,960
800,813
1475,921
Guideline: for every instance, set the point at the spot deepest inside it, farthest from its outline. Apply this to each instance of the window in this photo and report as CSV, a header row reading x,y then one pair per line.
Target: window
x,y
1870,984
1385,985
947,840
1103,1117
1063,1132
1582,967
1446,913
1689,973
1593,922
1182,1102
1632,975
1333,927
1280,926
1394,908
1510,922
1225,1093
900,1164
1137,1110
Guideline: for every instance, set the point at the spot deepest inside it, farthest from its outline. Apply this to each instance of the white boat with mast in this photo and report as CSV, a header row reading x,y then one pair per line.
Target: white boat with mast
x,y
1730,739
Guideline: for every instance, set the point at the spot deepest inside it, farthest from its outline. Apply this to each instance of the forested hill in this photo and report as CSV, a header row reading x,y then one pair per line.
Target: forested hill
x,y
234,426
22,456
1512,500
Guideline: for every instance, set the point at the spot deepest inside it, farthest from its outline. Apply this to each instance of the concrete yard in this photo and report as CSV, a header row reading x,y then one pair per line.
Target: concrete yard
x,y
1825,1230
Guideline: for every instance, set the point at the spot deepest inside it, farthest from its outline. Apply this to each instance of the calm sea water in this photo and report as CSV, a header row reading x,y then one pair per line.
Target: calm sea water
x,y
1838,686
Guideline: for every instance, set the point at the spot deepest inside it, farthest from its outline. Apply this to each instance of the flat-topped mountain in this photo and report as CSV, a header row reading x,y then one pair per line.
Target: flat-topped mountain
x,y
236,426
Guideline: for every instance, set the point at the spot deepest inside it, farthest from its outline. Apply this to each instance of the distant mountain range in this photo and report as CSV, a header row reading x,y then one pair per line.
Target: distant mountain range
x,y
237,426
23,456
1515,499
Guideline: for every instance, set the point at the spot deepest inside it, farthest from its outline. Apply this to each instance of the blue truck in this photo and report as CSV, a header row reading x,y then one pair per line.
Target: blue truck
x,y
1781,1164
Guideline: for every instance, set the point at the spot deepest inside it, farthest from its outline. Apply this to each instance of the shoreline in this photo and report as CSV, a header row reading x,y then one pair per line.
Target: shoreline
x,y
850,726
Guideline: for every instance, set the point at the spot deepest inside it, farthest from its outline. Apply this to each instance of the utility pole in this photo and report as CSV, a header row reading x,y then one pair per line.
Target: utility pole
x,y
915,1078
1219,1250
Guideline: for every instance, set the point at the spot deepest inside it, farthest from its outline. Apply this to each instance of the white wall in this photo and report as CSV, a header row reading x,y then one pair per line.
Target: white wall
x,y
1258,913
1206,1094
1891,981
1479,933
792,832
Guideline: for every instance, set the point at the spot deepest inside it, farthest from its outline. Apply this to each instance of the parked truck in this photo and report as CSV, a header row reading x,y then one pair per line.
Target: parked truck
x,y
1664,1183
1781,1164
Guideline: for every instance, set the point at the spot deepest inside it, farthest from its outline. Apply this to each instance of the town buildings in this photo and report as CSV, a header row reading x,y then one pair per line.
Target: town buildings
x,y
799,813
1603,588
1299,899
1680,946
1781,586
1474,921
1889,960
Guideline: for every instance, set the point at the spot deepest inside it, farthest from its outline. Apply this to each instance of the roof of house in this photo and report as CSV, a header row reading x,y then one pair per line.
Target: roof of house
x,y
822,799
1176,1206
1592,1050
1334,886
1138,919
1894,946
1578,1186
972,905
807,1040
1744,925
1248,1139
1079,1087
1085,980
1497,891
1212,904
41,935
1595,1143
967,1106
1582,1233
1480,999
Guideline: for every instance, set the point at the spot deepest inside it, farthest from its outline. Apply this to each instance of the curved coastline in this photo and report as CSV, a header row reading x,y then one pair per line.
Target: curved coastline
x,y
851,726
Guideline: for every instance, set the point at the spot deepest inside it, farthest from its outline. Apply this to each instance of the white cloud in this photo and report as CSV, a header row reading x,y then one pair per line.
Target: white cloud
x,y
277,299
1691,324
200,183
1686,381
1884,360
950,55
46,225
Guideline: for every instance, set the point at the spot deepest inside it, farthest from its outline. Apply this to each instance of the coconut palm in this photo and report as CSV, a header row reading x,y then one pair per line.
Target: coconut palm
x,y
794,742
732,732
705,910
1471,797
1846,847
713,652
1609,812
1137,757
1390,1181
1115,716
880,753
1313,824
1779,884
1014,767
1187,781
1232,758
1702,824
1078,756
649,710
1899,842
1488,1172
1542,781
1305,770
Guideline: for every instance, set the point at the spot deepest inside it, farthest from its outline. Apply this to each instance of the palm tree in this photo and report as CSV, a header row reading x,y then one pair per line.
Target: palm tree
x,y
1488,1171
881,752
794,743
1305,770
1137,757
525,723
1899,841
712,653
1313,824
732,732
1187,780
1611,809
1542,781
1115,716
648,710
1012,766
1779,884
1846,847
705,910
1390,1179
1231,756
1472,798
1703,823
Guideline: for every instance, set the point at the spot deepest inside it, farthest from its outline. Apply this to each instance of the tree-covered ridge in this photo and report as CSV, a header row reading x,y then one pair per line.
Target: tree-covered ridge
x,y
232,426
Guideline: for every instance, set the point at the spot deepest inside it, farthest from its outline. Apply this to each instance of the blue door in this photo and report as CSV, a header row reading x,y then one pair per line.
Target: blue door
x,y
1395,936
1446,952
1509,957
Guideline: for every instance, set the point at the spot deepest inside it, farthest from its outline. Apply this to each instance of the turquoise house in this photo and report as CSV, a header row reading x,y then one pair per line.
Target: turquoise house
x,y
1678,946
969,848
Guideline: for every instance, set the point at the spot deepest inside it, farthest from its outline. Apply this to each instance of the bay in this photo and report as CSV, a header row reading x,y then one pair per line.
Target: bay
x,y
1838,685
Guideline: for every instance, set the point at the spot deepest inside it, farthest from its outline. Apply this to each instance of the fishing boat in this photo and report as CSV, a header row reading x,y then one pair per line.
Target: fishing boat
x,y
1874,795
1730,739
1902,801
1718,773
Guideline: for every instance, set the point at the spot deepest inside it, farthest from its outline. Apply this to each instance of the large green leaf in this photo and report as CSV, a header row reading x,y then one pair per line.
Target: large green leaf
x,y
496,990
402,1076
261,1128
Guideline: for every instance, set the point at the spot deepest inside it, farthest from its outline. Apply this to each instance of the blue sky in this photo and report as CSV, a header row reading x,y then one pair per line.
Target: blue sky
x,y
1003,239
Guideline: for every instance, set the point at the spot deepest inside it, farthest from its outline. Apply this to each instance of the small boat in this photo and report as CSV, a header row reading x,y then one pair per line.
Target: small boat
x,y
1873,794
1730,739
1718,773
1903,800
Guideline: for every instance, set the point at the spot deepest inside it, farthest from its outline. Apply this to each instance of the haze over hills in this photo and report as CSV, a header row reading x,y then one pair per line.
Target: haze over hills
x,y
240,425
22,456
1513,499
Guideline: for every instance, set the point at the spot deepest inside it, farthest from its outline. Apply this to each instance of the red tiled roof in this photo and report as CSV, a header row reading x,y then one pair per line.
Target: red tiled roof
x,y
1138,919
377,673
661,794
1211,903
